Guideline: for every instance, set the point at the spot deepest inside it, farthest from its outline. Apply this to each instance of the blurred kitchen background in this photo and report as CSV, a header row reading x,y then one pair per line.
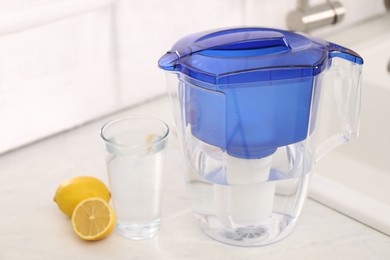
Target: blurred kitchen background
x,y
66,62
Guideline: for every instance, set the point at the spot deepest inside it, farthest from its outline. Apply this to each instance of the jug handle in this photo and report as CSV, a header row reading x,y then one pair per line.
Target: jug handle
x,y
347,93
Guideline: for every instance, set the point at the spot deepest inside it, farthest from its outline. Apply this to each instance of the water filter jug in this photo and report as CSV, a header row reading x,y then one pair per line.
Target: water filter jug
x,y
246,103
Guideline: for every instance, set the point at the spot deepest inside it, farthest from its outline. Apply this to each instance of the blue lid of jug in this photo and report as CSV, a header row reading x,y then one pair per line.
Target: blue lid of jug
x,y
245,55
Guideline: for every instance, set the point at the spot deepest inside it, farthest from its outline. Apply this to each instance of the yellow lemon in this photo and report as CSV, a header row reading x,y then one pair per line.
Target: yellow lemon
x,y
71,192
93,219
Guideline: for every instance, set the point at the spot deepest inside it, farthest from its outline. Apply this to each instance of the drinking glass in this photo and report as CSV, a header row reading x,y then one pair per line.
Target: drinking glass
x,y
135,162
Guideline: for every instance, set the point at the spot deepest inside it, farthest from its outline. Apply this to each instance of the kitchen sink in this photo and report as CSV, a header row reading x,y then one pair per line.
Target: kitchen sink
x,y
355,178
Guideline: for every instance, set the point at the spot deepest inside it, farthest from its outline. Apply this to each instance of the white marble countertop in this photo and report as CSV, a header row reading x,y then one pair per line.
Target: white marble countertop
x,y
31,226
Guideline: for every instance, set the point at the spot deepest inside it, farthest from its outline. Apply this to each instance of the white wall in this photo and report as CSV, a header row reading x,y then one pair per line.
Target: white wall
x,y
57,73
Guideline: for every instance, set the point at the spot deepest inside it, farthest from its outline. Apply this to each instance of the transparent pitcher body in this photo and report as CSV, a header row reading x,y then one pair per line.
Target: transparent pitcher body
x,y
240,200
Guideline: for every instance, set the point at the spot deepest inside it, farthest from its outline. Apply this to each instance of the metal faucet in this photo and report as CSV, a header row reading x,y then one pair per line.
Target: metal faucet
x,y
306,18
